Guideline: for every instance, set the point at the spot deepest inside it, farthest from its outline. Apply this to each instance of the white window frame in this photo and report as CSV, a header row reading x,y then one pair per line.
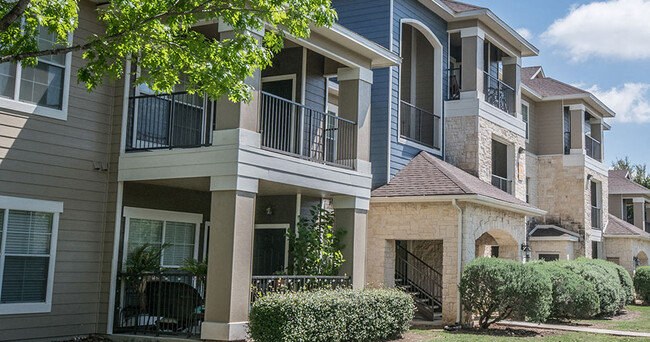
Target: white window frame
x,y
30,108
161,215
34,205
527,105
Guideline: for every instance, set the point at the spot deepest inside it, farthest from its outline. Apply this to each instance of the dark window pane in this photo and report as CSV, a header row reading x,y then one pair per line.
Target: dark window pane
x,y
24,279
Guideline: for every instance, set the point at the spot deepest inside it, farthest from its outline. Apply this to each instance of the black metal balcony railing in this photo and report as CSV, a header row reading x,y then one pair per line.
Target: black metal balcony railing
x,y
592,146
292,128
647,227
499,94
263,285
502,183
165,121
596,218
419,125
454,83
162,303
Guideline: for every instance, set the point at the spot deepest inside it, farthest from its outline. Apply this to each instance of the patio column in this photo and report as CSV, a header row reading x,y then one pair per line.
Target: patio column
x,y
577,128
351,215
354,104
227,301
639,212
472,40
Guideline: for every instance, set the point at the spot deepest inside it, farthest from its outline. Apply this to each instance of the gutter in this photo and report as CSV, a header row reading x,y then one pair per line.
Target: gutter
x,y
460,258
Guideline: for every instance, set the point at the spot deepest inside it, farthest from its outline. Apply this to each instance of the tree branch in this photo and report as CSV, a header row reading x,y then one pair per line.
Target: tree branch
x,y
14,14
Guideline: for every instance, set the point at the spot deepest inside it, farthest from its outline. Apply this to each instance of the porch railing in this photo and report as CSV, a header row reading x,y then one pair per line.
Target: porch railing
x,y
647,227
263,285
162,303
592,146
419,125
502,183
165,121
455,85
499,94
292,128
596,218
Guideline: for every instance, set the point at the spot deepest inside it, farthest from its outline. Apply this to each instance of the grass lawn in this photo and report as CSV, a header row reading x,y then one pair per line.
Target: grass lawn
x,y
635,318
436,336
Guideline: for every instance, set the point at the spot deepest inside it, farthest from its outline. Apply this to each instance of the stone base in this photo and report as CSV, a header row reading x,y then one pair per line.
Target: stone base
x,y
218,331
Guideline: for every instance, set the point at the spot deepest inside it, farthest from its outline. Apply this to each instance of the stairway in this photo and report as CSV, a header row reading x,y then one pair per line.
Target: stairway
x,y
421,280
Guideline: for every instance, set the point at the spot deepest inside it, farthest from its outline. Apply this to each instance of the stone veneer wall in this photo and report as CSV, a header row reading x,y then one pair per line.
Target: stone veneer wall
x,y
625,249
388,222
532,172
461,147
428,251
563,248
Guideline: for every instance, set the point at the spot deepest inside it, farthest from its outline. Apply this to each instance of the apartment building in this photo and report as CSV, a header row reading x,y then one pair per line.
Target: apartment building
x,y
87,178
566,173
627,233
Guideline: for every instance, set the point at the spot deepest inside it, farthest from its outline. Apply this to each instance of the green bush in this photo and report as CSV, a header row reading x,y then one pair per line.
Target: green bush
x,y
331,315
496,288
605,278
627,283
573,296
642,283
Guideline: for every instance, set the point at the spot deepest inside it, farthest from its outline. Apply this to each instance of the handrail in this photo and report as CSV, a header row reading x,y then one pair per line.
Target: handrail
x,y
498,80
420,125
303,106
592,147
500,94
401,248
500,182
142,96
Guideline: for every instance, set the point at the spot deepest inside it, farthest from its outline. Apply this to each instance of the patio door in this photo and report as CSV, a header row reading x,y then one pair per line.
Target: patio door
x,y
279,116
270,249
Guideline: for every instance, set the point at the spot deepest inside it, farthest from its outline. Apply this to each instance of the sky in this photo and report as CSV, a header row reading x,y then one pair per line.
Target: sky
x,y
602,46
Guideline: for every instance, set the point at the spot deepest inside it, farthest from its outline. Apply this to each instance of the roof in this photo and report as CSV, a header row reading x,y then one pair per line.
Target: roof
x,y
546,86
460,7
426,175
547,232
618,227
618,183
528,73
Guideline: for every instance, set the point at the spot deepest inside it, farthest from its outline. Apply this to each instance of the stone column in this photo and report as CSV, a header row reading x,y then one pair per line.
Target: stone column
x,y
227,301
639,212
472,40
351,215
512,77
354,104
577,128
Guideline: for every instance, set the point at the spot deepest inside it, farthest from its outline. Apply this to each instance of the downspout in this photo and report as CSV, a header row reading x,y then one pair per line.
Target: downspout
x,y
460,256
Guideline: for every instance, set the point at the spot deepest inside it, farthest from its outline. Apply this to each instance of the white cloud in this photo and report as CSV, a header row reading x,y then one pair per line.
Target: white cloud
x,y
629,101
524,32
613,29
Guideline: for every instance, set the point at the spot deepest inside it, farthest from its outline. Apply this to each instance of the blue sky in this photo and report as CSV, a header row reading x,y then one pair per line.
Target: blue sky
x,y
602,46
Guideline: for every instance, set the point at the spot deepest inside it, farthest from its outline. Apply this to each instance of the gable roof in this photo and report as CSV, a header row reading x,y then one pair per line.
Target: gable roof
x,y
552,232
460,7
618,183
528,73
427,176
618,227
546,86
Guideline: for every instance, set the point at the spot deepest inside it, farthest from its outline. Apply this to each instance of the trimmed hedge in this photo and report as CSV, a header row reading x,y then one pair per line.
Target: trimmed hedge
x,y
573,296
606,280
642,283
497,288
331,315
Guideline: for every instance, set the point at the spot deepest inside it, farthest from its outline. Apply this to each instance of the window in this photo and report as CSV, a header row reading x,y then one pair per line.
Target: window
x,y
567,130
494,251
525,107
178,232
28,233
549,257
595,250
41,89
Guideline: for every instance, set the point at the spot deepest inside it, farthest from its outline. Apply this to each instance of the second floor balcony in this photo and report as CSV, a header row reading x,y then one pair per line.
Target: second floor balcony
x,y
593,148
501,183
596,218
420,126
499,94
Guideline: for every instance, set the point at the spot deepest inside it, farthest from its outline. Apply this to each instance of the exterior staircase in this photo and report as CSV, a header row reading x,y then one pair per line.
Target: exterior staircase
x,y
421,280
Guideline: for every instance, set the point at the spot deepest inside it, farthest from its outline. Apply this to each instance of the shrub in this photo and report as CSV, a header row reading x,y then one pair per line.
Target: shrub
x,y
573,296
331,315
605,278
497,288
626,283
642,283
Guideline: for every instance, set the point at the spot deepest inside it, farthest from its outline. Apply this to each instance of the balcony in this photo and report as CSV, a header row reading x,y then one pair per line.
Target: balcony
x,y
502,183
596,218
420,126
592,146
455,85
499,94
291,128
647,227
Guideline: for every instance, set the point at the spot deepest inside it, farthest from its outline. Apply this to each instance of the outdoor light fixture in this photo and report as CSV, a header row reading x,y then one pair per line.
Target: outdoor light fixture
x,y
636,262
521,150
269,210
526,249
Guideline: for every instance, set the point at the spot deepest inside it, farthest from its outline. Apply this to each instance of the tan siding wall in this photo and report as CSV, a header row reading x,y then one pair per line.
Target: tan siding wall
x,y
549,128
53,159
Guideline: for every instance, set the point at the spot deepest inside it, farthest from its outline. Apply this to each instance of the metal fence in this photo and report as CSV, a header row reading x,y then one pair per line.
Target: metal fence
x,y
596,218
176,120
263,285
499,94
292,128
162,303
419,125
592,146
455,85
502,183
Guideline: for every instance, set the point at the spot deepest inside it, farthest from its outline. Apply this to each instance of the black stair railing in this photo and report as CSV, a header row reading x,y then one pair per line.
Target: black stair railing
x,y
422,281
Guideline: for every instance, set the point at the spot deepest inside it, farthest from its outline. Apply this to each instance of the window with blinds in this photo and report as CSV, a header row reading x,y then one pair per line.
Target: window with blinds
x,y
25,255
177,237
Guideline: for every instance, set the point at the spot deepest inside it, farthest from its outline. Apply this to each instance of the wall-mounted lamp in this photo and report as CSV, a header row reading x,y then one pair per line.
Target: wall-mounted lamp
x,y
589,178
636,262
269,210
527,251
521,150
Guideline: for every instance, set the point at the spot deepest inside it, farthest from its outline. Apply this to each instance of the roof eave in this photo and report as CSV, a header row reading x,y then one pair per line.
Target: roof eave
x,y
627,236
588,97
478,199
380,56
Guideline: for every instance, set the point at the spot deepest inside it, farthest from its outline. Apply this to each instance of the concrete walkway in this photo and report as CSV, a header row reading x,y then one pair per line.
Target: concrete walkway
x,y
574,329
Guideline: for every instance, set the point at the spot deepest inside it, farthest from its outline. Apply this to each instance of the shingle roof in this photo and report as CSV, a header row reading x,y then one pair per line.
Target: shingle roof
x,y
551,231
616,226
460,7
547,86
618,183
426,175
528,72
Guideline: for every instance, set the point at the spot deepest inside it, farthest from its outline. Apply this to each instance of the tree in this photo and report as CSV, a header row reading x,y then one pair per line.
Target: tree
x,y
158,36
638,172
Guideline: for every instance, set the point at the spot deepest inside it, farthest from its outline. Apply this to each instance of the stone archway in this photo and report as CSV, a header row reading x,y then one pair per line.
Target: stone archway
x,y
497,243
642,259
